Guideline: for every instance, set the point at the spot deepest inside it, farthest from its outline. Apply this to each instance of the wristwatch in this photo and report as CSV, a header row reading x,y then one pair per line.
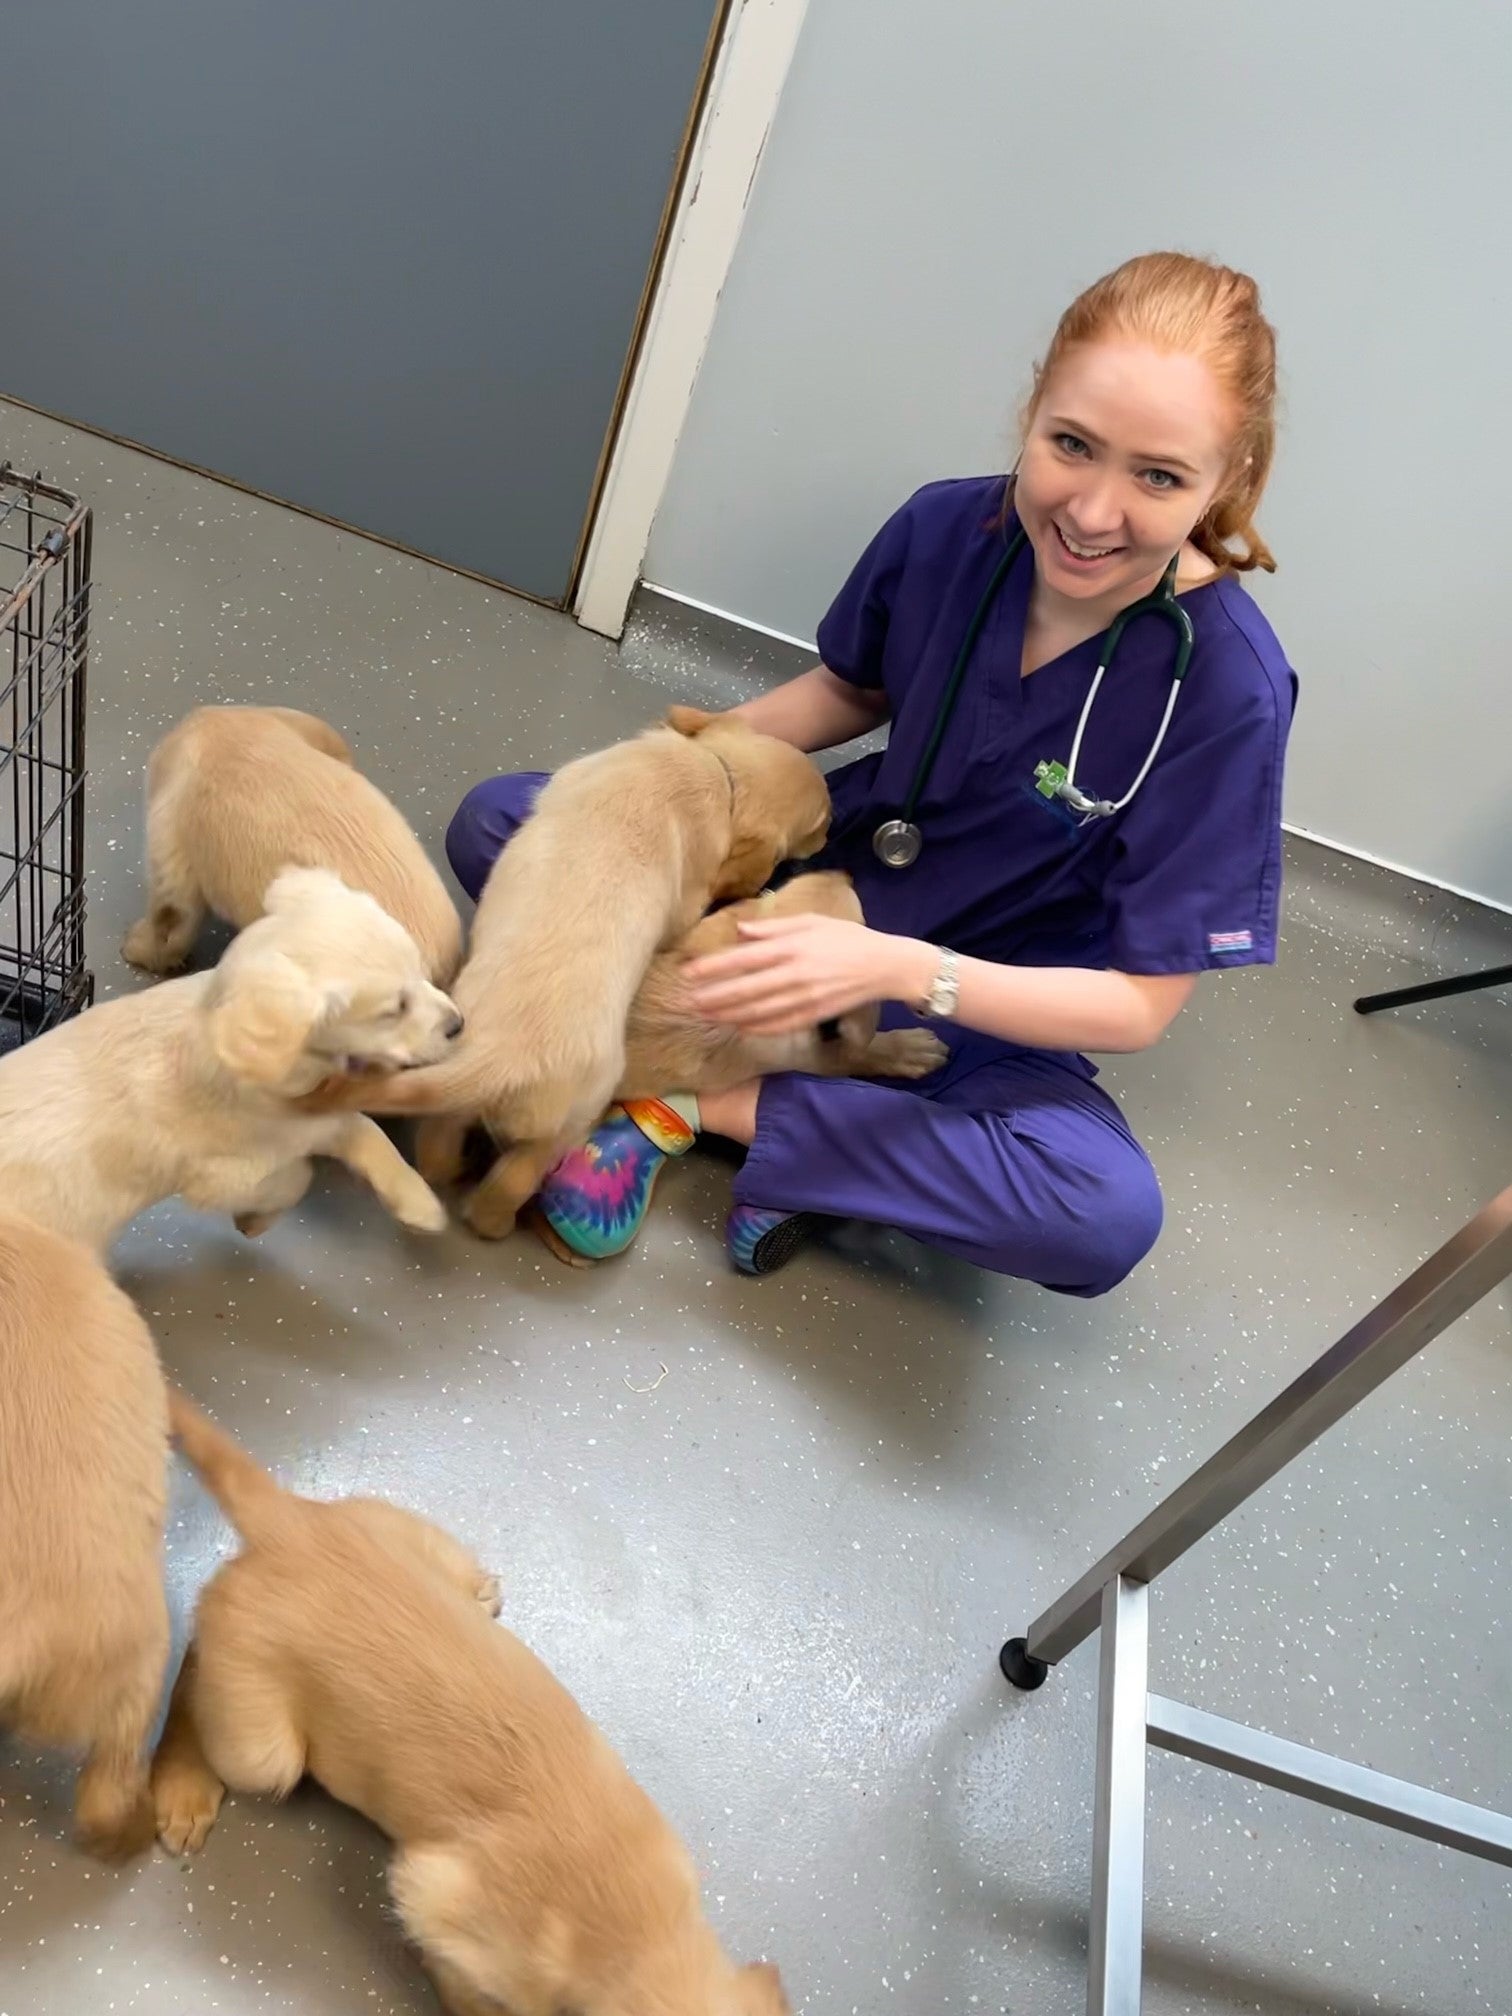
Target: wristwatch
x,y
944,995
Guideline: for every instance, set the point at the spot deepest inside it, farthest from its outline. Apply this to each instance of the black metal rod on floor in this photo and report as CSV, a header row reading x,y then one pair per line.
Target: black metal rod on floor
x,y
1434,990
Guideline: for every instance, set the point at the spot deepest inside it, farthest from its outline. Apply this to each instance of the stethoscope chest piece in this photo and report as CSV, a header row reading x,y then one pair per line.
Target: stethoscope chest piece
x,y
897,843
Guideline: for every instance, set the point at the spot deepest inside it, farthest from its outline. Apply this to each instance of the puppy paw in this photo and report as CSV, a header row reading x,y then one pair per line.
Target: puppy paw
x,y
906,1053
490,1594
418,1207
253,1224
145,948
187,1800
488,1219
115,1833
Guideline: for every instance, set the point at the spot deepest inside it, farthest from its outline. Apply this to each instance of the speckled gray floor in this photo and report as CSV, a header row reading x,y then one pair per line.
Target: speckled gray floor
x,y
779,1577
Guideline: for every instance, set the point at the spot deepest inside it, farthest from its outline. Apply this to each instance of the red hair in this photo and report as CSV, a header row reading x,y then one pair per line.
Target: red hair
x,y
1177,303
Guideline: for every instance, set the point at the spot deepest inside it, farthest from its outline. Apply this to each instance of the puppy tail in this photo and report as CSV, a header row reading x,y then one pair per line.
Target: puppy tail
x,y
460,1085
248,1496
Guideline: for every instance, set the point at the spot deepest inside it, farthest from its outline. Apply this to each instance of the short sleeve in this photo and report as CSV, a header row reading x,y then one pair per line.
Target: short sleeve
x,y
853,636
1195,882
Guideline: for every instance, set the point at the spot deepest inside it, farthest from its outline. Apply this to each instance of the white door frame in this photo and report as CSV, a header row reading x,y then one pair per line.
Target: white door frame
x,y
750,68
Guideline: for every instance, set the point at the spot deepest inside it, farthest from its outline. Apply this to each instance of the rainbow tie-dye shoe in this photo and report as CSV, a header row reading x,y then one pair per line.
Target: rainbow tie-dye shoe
x,y
759,1241
594,1202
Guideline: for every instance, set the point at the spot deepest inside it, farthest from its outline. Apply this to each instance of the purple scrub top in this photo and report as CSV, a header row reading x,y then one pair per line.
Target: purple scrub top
x,y
1187,878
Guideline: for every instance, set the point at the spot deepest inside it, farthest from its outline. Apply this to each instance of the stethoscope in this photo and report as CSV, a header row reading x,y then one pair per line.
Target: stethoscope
x,y
897,843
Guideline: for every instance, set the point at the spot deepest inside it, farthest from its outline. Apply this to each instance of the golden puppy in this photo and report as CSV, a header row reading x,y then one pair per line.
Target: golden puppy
x,y
83,1457
624,851
189,1089
352,1641
667,1050
234,794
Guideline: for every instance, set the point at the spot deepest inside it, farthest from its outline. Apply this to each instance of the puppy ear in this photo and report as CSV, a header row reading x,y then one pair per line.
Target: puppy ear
x,y
264,1016
762,1992
690,720
748,867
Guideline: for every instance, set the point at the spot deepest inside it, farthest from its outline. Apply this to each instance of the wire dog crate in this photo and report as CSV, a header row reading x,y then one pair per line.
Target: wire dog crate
x,y
45,538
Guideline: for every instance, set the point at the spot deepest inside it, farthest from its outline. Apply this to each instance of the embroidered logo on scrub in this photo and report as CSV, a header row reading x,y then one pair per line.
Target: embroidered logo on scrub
x,y
1231,941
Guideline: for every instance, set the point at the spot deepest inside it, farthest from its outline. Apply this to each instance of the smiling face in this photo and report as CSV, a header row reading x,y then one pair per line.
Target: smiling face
x,y
1126,448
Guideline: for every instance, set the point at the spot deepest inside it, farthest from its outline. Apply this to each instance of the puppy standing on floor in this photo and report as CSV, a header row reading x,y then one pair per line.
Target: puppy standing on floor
x,y
352,1641
189,1089
624,851
83,1462
234,794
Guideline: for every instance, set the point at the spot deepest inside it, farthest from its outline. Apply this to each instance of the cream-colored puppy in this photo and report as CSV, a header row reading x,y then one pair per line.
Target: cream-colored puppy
x,y
83,1461
234,794
669,1050
624,851
187,1089
352,1641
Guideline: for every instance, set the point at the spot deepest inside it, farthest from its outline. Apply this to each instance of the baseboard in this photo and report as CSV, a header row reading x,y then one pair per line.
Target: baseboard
x,y
735,622
1396,868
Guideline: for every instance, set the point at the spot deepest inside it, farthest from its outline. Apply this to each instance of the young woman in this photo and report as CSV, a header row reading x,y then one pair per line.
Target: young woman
x,y
1046,862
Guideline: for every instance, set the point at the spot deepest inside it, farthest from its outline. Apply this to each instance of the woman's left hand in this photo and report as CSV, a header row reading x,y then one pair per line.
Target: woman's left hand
x,y
789,973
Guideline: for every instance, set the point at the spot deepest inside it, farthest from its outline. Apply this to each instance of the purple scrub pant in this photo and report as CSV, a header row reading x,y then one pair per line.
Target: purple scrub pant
x,y
1010,1158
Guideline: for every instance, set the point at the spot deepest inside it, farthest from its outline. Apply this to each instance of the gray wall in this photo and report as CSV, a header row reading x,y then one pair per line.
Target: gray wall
x,y
944,175
381,258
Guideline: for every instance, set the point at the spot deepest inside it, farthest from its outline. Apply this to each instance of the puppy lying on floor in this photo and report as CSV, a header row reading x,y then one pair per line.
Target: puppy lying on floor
x,y
187,1089
624,851
83,1461
234,794
668,1050
352,1641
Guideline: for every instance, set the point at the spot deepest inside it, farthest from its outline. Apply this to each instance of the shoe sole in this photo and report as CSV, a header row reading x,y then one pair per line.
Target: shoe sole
x,y
774,1249
553,1241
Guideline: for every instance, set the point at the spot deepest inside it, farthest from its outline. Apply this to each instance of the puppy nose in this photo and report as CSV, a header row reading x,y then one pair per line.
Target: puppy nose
x,y
454,1025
